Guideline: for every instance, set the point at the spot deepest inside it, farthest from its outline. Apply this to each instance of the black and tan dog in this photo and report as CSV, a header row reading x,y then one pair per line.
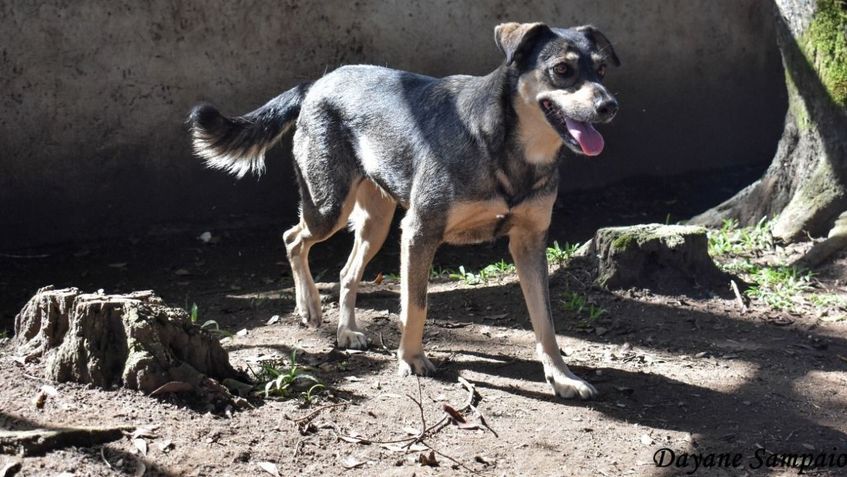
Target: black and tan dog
x,y
470,158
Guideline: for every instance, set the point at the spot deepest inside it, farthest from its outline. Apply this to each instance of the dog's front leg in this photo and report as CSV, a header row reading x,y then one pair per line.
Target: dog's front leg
x,y
417,250
528,251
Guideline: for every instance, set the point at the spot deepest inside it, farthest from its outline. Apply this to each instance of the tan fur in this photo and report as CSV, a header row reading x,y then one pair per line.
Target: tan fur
x,y
474,222
533,215
541,142
370,220
298,241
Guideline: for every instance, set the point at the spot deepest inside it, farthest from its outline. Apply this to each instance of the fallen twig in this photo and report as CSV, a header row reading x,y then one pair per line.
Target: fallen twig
x,y
311,415
738,297
40,441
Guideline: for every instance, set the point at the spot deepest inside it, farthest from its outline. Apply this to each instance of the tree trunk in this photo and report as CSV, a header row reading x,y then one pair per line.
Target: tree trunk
x,y
805,187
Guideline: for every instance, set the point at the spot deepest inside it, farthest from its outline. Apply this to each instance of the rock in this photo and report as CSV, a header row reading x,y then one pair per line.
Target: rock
x,y
662,258
131,340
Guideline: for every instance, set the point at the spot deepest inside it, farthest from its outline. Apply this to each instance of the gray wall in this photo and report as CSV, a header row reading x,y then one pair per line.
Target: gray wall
x,y
94,94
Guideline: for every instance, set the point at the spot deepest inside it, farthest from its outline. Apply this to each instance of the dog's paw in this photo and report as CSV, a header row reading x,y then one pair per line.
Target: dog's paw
x,y
417,364
567,387
310,316
350,339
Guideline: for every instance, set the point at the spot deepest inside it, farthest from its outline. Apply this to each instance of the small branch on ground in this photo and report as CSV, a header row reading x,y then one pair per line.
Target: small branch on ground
x,y
41,441
408,442
738,297
313,414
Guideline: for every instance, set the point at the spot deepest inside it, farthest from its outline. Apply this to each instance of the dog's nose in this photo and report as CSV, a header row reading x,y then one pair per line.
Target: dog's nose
x,y
607,108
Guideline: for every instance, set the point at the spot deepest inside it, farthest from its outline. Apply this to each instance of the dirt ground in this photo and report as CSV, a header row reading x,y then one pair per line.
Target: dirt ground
x,y
695,374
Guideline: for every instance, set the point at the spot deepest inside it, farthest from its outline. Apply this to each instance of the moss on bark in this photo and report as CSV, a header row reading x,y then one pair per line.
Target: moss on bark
x,y
824,44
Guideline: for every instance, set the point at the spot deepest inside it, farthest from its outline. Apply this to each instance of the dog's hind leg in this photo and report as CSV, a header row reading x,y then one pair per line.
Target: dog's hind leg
x,y
528,250
417,250
316,225
371,220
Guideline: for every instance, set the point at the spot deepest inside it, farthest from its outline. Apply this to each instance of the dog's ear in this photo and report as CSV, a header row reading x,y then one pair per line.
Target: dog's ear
x,y
603,44
513,38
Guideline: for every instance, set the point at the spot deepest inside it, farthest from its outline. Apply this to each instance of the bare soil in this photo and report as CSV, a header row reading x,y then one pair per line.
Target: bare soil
x,y
693,373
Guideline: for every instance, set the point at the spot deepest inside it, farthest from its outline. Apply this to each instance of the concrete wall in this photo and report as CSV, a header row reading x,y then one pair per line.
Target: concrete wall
x,y
94,94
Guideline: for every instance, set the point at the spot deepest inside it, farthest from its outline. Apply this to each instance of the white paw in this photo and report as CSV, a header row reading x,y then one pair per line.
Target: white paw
x,y
415,364
350,339
571,387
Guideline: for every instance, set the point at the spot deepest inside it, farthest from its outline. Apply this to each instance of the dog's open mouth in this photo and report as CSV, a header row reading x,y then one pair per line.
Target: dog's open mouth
x,y
580,136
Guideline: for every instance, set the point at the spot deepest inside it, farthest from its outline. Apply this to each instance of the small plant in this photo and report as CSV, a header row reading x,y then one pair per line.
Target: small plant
x,y
469,278
489,272
500,268
779,287
4,334
731,239
578,304
559,255
288,383
595,312
211,326
437,272
574,302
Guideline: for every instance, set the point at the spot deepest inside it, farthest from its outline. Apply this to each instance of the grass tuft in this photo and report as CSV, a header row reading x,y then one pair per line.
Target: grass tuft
x,y
284,383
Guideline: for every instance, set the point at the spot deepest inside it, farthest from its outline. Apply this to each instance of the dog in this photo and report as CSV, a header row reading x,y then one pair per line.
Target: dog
x,y
470,159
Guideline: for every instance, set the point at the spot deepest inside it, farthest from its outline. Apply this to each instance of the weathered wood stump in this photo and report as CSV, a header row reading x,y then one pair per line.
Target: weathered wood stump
x,y
131,340
662,258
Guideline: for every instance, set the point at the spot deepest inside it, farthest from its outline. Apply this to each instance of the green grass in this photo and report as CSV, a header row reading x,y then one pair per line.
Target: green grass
x,y
781,287
559,255
732,240
4,334
210,326
555,254
288,382
578,304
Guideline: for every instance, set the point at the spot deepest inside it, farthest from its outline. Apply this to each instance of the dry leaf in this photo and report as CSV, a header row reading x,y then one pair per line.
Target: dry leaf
x,y
141,445
453,413
49,390
273,319
172,387
351,439
379,278
242,332
270,468
428,459
39,400
10,469
351,462
145,431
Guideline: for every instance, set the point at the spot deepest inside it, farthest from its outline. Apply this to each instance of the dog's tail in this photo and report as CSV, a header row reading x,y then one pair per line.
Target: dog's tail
x,y
238,144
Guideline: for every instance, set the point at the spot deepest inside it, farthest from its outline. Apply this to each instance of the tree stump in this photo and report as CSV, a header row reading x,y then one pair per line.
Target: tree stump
x,y
663,258
131,340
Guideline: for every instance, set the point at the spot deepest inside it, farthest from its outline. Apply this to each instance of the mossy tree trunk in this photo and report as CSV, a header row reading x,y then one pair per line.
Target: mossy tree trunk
x,y
805,188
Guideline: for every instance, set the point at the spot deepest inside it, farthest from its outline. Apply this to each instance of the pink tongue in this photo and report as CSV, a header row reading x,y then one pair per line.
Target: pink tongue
x,y
588,138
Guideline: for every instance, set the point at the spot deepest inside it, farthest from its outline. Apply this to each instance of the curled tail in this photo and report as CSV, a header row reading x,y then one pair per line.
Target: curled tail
x,y
237,145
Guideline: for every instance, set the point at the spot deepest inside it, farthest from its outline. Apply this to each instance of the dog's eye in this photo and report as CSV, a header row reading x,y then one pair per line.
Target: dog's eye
x,y
601,71
562,69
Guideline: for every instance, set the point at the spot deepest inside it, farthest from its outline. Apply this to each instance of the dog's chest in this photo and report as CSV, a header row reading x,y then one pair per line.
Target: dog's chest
x,y
485,220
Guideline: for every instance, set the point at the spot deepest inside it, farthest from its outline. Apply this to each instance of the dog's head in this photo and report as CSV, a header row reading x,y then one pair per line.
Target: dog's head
x,y
560,78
